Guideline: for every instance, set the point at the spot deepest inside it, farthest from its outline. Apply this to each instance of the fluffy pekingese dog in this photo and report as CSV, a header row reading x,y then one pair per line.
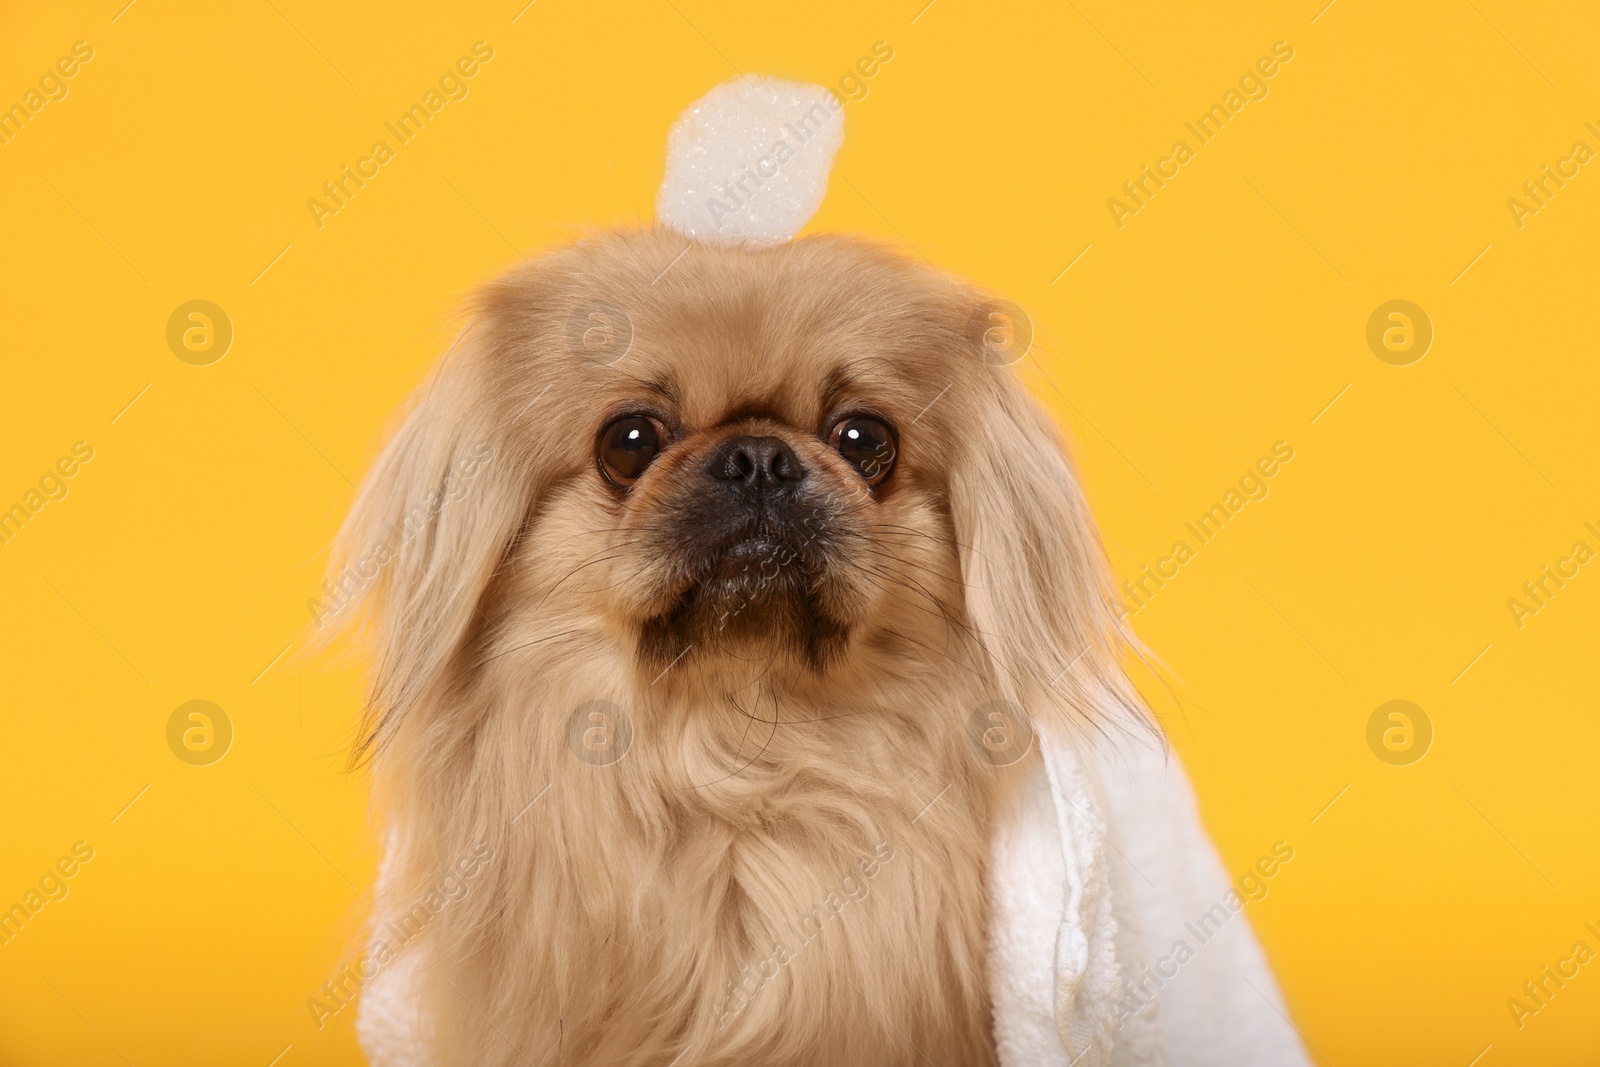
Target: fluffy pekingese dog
x,y
695,577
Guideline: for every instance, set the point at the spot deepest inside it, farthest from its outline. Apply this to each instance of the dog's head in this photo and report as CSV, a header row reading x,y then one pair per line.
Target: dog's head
x,y
796,461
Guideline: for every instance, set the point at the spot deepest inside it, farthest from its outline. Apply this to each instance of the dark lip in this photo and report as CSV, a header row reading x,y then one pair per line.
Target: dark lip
x,y
735,556
757,578
756,531
755,539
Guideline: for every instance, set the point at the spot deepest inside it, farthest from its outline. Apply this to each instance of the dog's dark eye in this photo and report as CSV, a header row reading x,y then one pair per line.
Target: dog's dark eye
x,y
627,447
868,445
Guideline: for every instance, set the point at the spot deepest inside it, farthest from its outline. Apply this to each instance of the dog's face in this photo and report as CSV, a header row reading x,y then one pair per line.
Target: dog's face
x,y
761,524
756,468
800,457
757,482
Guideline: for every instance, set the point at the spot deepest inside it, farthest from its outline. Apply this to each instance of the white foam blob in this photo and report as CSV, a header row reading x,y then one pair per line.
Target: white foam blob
x,y
748,162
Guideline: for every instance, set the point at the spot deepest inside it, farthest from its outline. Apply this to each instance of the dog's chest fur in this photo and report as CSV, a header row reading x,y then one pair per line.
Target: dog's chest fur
x,y
825,905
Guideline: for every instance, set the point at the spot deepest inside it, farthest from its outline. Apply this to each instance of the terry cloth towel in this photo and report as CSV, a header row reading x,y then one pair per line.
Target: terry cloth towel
x,y
1096,871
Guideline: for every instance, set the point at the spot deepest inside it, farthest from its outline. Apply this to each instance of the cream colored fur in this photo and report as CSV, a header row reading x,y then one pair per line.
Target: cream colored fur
x,y
628,905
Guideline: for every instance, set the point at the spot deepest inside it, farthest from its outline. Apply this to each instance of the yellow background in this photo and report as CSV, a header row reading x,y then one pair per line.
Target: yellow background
x,y
1223,317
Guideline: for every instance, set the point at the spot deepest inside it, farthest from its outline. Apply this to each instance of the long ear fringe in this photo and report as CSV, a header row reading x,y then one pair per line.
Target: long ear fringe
x,y
1039,590
429,526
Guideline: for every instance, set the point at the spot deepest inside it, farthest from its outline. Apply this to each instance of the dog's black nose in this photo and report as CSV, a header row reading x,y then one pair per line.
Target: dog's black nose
x,y
764,463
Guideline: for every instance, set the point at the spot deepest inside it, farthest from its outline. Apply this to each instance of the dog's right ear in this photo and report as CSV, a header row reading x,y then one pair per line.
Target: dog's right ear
x,y
1038,586
430,525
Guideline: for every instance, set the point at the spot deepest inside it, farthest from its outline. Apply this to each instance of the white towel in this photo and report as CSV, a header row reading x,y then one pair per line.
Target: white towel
x,y
1095,873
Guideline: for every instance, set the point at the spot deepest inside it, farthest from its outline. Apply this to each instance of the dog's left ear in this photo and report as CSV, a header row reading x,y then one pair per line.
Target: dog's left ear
x,y
1038,591
430,525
